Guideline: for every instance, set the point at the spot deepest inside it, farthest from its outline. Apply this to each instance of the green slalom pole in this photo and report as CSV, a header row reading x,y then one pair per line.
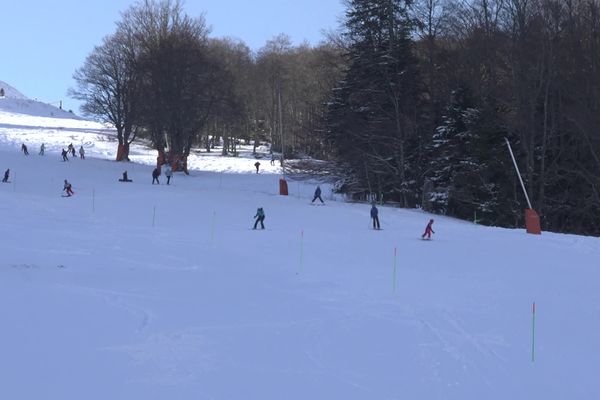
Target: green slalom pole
x,y
394,283
212,230
301,248
533,334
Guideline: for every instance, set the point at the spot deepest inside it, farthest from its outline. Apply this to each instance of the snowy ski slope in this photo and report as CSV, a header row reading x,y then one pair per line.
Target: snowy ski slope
x,y
140,291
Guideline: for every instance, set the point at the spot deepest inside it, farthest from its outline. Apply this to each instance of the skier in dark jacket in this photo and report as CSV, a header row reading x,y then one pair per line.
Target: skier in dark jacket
x,y
6,175
257,165
125,178
155,175
428,230
318,195
24,149
64,155
375,217
260,217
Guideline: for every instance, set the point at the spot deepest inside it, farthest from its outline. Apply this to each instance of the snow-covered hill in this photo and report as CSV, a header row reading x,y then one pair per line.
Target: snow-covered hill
x,y
14,102
140,291
10,92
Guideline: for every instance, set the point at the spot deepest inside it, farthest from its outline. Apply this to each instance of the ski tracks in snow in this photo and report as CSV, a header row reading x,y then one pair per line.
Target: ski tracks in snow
x,y
117,299
456,341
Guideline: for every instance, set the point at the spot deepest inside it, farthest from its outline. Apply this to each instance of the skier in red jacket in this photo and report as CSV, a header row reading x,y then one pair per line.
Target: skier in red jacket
x,y
67,188
428,230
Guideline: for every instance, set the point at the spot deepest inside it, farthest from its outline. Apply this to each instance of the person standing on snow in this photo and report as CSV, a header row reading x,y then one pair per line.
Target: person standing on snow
x,y
67,187
5,180
428,230
125,178
82,153
155,175
64,155
318,195
257,165
42,149
168,173
24,149
375,216
260,217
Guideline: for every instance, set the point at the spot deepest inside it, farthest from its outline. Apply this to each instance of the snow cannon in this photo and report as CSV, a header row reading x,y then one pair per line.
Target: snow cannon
x,y
283,187
532,219
532,222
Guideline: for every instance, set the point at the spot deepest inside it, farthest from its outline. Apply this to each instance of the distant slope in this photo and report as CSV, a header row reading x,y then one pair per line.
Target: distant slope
x,y
10,92
16,103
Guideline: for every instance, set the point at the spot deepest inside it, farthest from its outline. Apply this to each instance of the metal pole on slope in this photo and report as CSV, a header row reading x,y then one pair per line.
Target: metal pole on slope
x,y
532,219
283,186
518,172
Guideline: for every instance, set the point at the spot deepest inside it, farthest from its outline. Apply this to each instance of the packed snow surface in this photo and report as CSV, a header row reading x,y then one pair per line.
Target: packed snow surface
x,y
140,291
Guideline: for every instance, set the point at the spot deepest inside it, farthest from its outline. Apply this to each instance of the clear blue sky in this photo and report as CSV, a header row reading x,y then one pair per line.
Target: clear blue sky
x,y
42,42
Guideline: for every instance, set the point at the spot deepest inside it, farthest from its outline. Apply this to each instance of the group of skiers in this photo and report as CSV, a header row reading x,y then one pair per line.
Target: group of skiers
x,y
65,153
260,216
67,187
156,174
260,213
375,218
257,164
70,150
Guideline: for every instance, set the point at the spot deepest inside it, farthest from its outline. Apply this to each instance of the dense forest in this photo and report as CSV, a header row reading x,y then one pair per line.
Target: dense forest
x,y
411,100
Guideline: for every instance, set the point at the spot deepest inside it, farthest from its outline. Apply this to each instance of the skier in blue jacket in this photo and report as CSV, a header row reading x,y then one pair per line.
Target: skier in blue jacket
x,y
317,195
375,216
260,217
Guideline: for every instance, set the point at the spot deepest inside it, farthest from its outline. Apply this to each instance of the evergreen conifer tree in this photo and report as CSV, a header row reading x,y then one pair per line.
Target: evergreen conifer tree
x,y
469,169
374,111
